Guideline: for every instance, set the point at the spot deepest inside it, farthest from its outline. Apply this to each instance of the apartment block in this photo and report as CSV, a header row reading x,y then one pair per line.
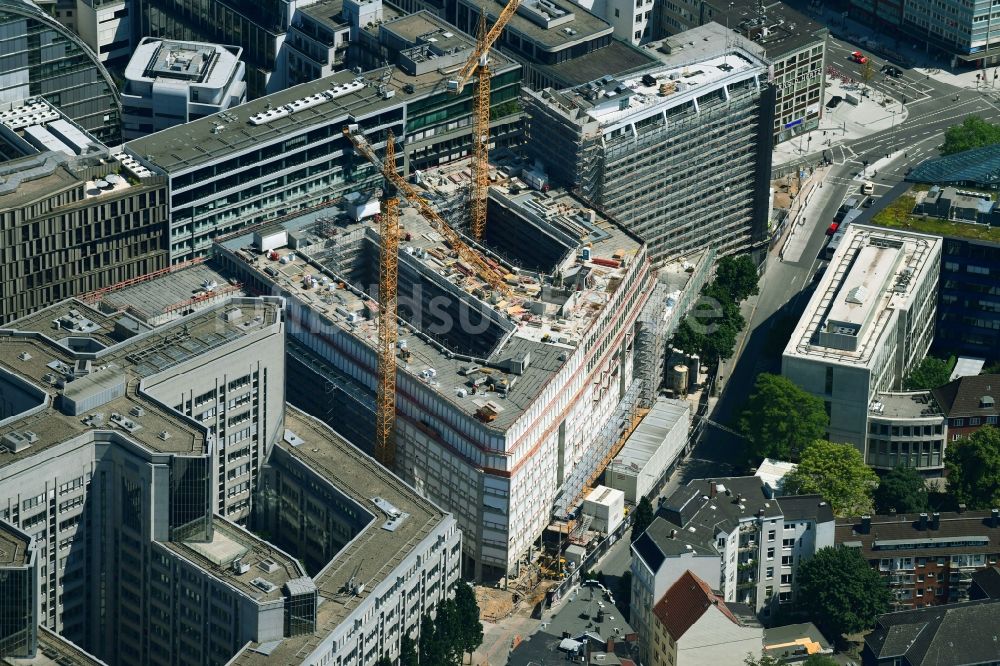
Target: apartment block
x,y
170,83
286,152
926,559
870,320
733,534
679,155
515,400
66,72
920,637
73,218
793,44
969,403
133,462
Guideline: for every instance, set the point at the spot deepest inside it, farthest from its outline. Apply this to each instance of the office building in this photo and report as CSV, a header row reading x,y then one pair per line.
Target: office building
x,y
104,25
926,559
140,457
516,400
638,148
957,634
44,58
559,43
74,218
793,44
693,625
732,534
286,152
869,322
907,429
18,582
171,83
320,34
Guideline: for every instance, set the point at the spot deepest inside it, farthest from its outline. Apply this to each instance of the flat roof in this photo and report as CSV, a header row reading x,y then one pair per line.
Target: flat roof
x,y
874,273
13,546
569,23
167,293
268,569
186,146
789,639
665,415
541,321
29,352
617,59
788,30
54,650
328,12
187,63
906,405
374,552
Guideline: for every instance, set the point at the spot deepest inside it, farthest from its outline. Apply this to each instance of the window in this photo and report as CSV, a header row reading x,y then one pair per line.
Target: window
x,y
769,574
788,543
829,380
770,535
770,553
787,560
638,34
786,579
616,13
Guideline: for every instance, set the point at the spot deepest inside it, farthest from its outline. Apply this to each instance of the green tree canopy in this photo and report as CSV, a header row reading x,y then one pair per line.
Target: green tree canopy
x,y
642,516
820,660
902,489
763,660
738,276
470,634
383,661
837,472
780,419
408,652
973,467
432,648
930,373
973,132
839,592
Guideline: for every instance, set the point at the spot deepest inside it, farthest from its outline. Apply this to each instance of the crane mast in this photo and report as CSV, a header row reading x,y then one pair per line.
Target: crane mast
x,y
385,413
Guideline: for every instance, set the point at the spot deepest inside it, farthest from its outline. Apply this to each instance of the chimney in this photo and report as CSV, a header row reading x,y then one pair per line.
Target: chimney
x,y
610,647
923,521
995,518
892,511
673,534
935,521
866,524
961,508
711,488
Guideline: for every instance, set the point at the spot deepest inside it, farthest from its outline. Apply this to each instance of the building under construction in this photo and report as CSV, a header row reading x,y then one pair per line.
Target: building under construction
x,y
507,406
680,155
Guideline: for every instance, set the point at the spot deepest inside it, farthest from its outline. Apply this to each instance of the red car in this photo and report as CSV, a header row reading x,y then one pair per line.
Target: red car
x,y
832,229
859,57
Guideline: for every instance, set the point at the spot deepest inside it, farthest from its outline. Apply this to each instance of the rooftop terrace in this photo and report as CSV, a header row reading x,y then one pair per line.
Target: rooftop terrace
x,y
13,546
54,650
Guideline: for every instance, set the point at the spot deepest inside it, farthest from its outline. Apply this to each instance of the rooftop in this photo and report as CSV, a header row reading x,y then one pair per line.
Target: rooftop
x,y
79,359
242,560
977,166
333,99
550,25
54,650
13,546
899,215
699,44
988,581
948,635
908,405
685,602
33,125
665,415
901,535
185,62
587,616
518,343
795,640
617,59
374,553
972,396
873,274
780,29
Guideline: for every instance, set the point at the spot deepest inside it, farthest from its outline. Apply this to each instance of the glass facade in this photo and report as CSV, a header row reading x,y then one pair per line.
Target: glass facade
x,y
18,614
969,299
190,513
38,56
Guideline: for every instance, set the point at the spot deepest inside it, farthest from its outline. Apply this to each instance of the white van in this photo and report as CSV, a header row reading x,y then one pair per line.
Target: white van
x,y
868,187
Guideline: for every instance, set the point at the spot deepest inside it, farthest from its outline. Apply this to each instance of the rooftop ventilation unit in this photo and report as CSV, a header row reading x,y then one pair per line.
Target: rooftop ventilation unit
x,y
263,585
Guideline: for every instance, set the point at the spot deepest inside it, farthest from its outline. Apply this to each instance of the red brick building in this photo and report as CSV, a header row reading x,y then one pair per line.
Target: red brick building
x,y
969,403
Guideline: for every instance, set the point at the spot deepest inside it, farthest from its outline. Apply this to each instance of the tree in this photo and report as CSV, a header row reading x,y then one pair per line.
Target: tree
x,y
838,473
930,373
470,627
902,489
624,598
780,419
432,649
383,661
763,660
839,592
642,516
448,632
738,276
973,466
408,652
973,132
820,660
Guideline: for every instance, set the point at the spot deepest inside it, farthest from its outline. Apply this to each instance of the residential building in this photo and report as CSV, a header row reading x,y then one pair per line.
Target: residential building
x,y
926,559
793,44
955,634
104,25
694,625
637,148
286,152
587,627
985,584
171,83
969,403
732,534
43,58
869,321
907,429
652,449
560,43
795,643
494,402
72,217
139,457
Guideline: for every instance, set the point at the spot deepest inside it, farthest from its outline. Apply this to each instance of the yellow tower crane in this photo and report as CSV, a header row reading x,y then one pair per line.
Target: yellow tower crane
x,y
478,65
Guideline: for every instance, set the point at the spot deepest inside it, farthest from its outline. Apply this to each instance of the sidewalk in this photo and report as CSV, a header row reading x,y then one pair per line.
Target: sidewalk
x,y
804,215
844,124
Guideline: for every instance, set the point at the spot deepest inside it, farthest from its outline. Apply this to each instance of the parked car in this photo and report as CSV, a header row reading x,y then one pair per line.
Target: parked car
x,y
891,70
868,187
832,229
859,57
834,102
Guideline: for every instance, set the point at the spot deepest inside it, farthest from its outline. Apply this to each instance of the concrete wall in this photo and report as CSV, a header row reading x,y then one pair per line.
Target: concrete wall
x,y
714,639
